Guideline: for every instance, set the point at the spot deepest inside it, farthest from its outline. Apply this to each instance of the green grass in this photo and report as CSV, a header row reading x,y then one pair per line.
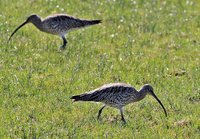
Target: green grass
x,y
155,42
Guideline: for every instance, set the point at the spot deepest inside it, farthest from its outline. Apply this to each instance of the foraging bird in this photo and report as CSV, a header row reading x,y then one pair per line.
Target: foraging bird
x,y
117,95
58,24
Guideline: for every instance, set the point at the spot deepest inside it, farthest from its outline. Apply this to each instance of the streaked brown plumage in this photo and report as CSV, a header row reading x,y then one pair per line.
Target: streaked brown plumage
x,y
117,95
58,24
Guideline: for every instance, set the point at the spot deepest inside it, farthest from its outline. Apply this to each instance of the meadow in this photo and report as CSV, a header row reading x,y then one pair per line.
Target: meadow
x,y
154,41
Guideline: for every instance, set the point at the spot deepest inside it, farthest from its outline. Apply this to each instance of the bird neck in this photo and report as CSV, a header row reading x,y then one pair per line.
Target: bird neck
x,y
141,94
38,24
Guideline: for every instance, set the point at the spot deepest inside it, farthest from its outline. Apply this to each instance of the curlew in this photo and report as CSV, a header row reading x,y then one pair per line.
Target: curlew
x,y
117,95
58,24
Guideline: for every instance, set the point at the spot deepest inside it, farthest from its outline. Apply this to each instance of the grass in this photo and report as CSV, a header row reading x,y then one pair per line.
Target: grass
x,y
155,42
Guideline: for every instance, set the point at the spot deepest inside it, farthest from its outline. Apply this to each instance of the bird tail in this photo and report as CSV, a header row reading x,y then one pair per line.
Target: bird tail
x,y
91,22
82,97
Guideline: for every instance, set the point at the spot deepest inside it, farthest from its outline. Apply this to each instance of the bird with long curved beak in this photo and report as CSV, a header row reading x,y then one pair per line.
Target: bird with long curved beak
x,y
117,95
58,24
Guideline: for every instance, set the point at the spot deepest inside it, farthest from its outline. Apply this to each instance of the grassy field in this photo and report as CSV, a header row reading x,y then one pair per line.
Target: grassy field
x,y
139,42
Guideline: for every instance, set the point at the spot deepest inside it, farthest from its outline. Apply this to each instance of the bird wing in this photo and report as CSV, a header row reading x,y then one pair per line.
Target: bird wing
x,y
106,92
63,22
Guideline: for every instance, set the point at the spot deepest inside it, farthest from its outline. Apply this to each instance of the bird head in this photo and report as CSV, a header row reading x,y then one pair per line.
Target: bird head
x,y
31,19
149,89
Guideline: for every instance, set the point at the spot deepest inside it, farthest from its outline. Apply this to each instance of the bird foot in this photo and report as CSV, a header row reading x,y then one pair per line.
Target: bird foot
x,y
62,48
98,117
124,121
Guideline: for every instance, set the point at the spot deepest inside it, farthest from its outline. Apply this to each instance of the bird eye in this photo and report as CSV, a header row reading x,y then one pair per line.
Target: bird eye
x,y
150,90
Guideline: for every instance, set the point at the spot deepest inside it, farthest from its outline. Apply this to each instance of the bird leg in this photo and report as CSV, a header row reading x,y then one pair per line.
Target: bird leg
x,y
100,111
64,43
122,115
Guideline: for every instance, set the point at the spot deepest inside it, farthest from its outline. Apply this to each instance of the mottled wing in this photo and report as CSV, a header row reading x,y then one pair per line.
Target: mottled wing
x,y
107,93
52,25
70,22
120,96
60,24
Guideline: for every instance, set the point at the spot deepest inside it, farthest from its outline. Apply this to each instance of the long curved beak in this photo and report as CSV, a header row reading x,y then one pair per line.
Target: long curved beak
x,y
17,29
152,93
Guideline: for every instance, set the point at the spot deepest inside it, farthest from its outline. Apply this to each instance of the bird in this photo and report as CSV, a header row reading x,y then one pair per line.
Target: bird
x,y
58,24
117,95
